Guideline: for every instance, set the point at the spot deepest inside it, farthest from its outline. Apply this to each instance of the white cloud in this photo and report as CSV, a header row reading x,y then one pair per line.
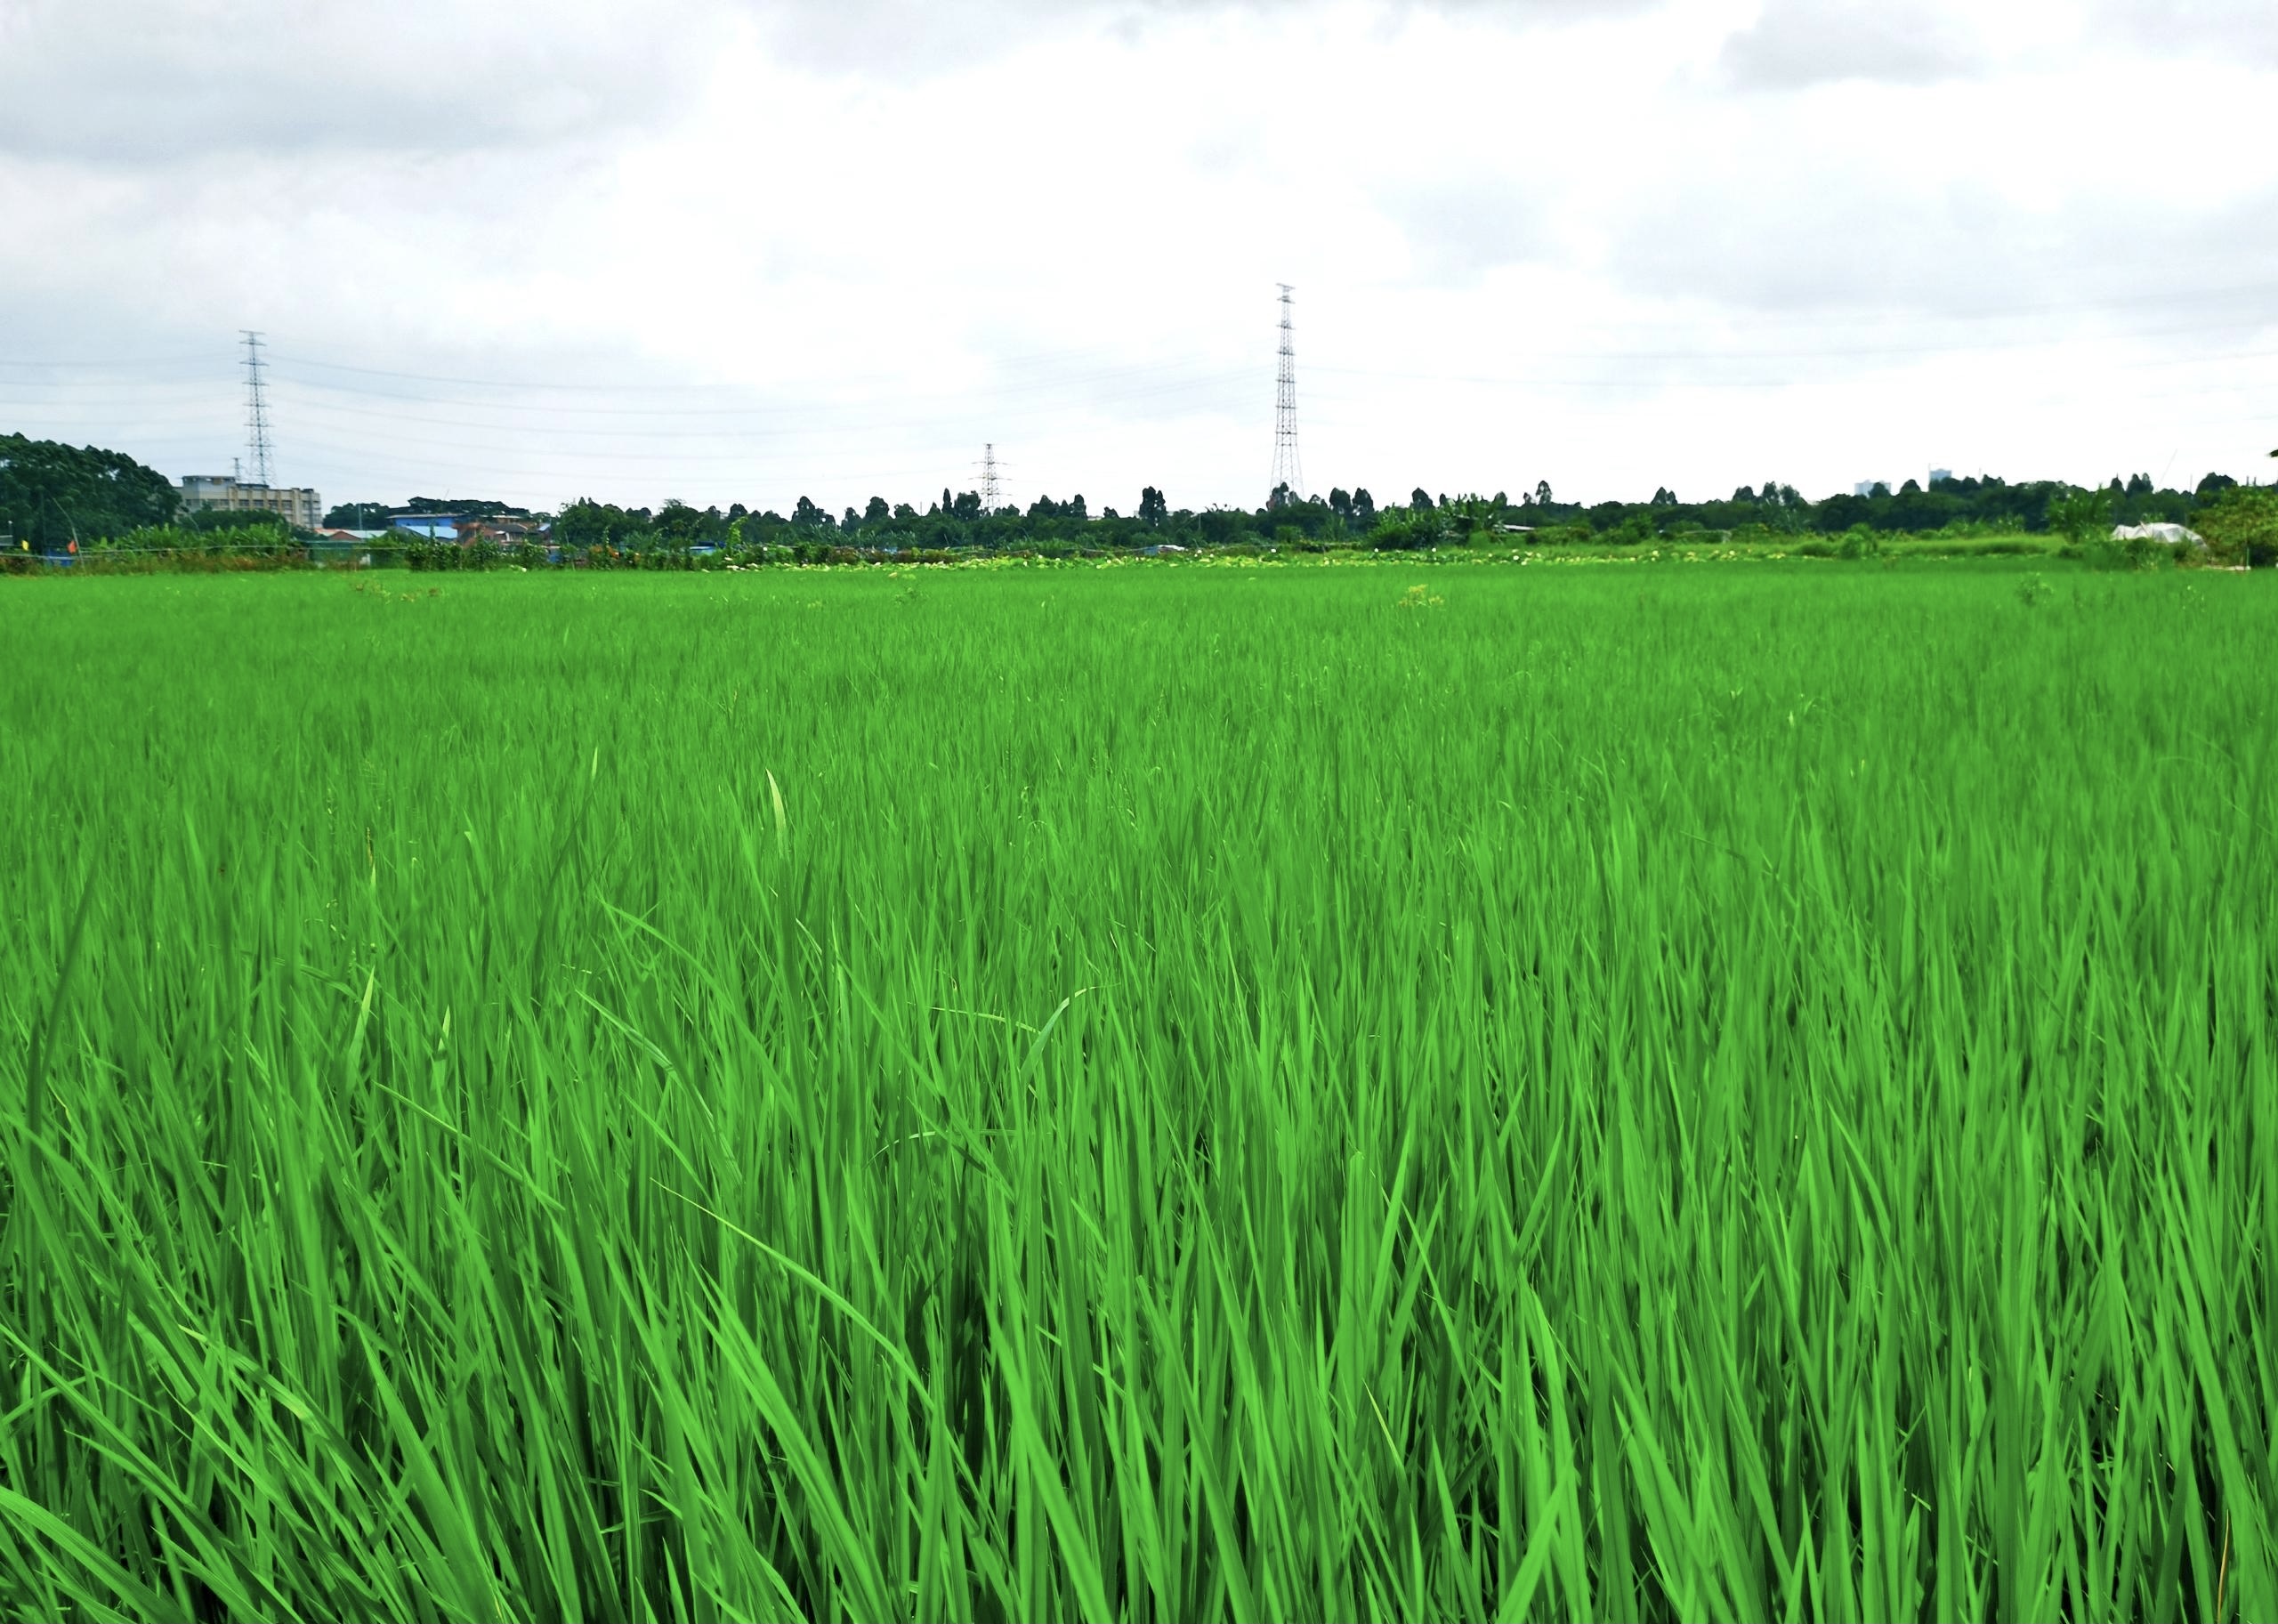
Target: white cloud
x,y
125,82
833,250
924,37
2229,31
1799,43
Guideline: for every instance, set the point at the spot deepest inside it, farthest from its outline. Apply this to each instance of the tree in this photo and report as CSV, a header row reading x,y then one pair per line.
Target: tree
x,y
52,494
1420,500
587,523
807,516
207,519
1221,526
2081,515
679,525
1406,529
1663,496
471,507
2241,523
877,512
1473,517
1364,508
1841,511
1152,508
1542,493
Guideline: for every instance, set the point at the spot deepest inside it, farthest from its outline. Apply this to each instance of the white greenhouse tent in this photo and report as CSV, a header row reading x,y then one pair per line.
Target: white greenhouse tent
x,y
2173,535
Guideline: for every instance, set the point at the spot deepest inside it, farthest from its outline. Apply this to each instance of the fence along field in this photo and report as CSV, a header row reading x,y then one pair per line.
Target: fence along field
x,y
1111,1094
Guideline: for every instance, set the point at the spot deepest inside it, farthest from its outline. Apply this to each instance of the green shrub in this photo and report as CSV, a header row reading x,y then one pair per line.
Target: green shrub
x,y
2119,552
2241,526
2081,517
1402,529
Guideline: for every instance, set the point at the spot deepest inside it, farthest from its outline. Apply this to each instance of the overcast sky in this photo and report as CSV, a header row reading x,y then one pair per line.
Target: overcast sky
x,y
744,250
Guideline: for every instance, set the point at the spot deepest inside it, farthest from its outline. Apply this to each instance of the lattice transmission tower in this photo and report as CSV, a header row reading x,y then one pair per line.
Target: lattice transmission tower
x,y
1287,469
256,409
992,489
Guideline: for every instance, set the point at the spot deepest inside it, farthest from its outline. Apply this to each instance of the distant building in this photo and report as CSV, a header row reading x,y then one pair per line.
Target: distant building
x,y
297,506
504,531
434,527
1866,487
336,547
1937,475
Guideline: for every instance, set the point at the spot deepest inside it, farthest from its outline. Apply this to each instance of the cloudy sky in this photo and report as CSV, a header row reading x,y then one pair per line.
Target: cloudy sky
x,y
744,250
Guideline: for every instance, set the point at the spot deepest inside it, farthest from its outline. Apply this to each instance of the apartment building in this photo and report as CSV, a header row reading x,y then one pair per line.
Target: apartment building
x,y
297,506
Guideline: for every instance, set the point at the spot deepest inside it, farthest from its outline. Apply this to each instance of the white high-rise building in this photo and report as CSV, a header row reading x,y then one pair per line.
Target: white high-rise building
x,y
297,506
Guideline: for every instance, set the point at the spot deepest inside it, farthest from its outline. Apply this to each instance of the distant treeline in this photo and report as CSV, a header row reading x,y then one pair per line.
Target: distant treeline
x,y
1426,519
53,495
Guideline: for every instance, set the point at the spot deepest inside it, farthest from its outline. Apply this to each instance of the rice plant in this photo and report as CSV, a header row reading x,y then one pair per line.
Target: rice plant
x,y
1142,1093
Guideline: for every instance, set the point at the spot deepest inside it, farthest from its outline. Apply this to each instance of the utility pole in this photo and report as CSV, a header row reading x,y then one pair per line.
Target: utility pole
x,y
256,409
1286,471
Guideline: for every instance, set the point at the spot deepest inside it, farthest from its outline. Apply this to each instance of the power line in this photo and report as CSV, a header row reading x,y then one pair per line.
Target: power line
x,y
201,359
256,409
1286,469
508,419
1144,379
1033,358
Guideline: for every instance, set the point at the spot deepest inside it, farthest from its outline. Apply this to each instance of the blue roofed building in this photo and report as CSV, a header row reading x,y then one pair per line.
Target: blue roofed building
x,y
434,527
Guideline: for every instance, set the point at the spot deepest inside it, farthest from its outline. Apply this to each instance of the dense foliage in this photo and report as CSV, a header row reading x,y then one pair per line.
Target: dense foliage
x,y
2243,523
1425,520
53,495
375,515
210,539
1367,1090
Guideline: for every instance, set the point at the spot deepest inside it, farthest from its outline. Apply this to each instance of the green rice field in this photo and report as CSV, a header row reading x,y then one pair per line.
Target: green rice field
x,y
1286,1091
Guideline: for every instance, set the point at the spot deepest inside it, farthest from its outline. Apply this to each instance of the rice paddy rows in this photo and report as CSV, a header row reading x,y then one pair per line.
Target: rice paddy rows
x,y
1139,1094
